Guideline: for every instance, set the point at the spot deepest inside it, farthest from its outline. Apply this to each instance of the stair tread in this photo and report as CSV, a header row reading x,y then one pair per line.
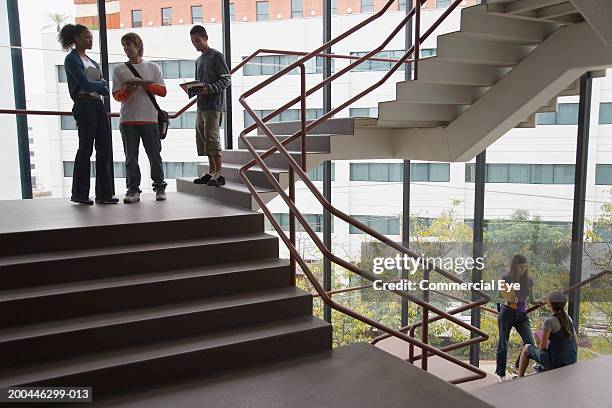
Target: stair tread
x,y
149,313
96,361
127,280
50,256
239,187
254,168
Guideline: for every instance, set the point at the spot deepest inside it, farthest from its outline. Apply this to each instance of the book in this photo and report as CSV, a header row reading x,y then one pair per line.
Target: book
x,y
139,82
192,88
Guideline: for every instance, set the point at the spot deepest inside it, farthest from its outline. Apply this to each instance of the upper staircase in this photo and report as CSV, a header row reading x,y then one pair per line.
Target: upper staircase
x,y
509,60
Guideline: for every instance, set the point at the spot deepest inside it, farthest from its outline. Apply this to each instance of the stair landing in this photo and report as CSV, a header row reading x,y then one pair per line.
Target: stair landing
x,y
355,376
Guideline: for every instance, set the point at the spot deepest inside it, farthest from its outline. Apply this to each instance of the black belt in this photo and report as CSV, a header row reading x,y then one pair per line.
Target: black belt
x,y
87,96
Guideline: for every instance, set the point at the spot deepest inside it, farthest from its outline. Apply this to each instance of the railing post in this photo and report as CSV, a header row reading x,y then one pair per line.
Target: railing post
x,y
417,39
292,233
425,328
23,143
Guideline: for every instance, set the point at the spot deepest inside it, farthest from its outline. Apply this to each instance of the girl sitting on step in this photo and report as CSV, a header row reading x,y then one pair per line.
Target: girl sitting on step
x,y
557,345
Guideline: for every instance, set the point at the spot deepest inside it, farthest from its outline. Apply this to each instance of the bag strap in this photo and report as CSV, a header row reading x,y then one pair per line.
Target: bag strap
x,y
149,94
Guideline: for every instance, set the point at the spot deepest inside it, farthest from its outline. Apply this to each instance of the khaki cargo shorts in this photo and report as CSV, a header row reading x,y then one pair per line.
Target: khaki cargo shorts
x,y
207,133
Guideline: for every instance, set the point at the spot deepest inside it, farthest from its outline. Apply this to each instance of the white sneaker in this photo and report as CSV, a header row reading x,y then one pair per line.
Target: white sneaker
x,y
160,195
131,197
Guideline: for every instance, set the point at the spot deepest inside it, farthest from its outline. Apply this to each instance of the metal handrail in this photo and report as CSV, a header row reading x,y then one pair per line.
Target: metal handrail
x,y
300,170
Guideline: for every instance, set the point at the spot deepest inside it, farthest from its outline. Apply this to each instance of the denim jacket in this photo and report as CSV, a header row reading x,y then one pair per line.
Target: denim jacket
x,y
77,80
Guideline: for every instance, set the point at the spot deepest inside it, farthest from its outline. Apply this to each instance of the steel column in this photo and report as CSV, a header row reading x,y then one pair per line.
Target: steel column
x,y
406,174
23,141
582,158
227,53
327,167
478,250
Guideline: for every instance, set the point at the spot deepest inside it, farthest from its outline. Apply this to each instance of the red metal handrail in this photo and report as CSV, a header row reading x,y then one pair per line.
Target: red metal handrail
x,y
300,171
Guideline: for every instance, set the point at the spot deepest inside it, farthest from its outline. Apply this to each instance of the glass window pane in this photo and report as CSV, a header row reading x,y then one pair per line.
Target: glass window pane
x,y
564,174
196,14
187,69
497,173
442,3
68,168
359,172
171,69
297,9
396,172
232,11
546,118
419,172
379,172
359,112
167,16
603,174
68,123
542,173
439,172
189,120
605,113
61,74
470,172
568,114
136,18
367,6
262,10
518,173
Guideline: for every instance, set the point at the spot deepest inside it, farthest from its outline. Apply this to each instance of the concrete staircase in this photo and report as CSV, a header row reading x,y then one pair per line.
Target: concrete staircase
x,y
509,60
143,303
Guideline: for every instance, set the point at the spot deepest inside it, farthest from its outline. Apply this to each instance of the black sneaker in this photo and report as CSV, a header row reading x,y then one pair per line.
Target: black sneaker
x,y
110,200
86,201
217,181
203,180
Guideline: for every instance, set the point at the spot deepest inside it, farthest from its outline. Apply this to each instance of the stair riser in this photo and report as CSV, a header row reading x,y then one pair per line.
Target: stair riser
x,y
257,177
417,112
71,344
142,261
313,143
458,74
232,197
121,234
152,372
416,92
456,49
243,157
497,28
61,306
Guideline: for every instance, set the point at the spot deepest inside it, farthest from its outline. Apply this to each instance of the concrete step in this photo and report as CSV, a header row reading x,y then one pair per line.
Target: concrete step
x,y
421,92
234,194
157,362
406,111
459,49
354,371
314,142
41,304
335,126
275,160
85,334
77,265
58,226
476,23
231,172
432,70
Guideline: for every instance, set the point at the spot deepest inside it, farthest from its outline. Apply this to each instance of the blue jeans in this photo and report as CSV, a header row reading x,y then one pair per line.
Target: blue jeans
x,y
507,319
131,135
